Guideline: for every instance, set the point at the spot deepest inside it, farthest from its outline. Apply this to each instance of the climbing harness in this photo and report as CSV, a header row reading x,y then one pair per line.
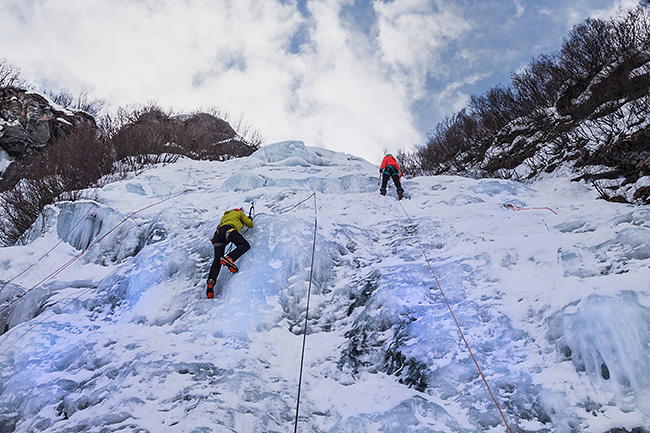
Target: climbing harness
x,y
229,248
454,317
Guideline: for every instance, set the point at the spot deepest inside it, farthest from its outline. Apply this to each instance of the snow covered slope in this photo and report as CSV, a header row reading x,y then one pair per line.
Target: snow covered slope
x,y
111,330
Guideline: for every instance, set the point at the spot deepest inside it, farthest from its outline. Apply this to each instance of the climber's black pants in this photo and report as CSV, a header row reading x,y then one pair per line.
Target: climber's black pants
x,y
222,237
391,172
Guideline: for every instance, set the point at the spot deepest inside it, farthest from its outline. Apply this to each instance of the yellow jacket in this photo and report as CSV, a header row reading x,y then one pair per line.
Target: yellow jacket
x,y
236,218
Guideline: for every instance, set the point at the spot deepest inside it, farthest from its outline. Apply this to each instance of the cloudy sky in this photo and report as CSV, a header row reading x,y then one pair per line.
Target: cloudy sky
x,y
358,76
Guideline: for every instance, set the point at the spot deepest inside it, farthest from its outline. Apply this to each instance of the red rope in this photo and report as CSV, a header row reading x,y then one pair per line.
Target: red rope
x,y
75,258
51,249
528,208
454,317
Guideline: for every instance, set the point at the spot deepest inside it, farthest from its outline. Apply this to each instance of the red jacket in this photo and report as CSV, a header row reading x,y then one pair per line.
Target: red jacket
x,y
389,160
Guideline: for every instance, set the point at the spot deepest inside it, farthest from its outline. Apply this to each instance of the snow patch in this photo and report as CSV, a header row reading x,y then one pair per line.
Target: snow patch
x,y
5,161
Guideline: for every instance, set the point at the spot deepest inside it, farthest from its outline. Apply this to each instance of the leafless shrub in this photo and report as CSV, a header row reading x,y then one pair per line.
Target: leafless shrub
x,y
139,131
587,49
495,108
452,144
252,136
538,85
80,194
78,159
460,142
632,30
10,74
409,163
123,144
70,163
136,164
22,205
81,102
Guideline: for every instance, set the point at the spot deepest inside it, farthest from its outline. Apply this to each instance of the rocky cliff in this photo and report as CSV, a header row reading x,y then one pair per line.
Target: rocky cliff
x,y
28,121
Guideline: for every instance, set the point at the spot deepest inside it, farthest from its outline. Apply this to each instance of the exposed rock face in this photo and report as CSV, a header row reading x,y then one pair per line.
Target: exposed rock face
x,y
209,131
199,136
622,81
28,121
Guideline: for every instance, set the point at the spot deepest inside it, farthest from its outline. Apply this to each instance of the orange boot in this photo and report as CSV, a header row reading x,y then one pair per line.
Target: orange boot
x,y
227,262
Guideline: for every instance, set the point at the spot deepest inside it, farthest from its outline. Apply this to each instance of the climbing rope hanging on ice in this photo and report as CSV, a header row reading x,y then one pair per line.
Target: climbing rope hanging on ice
x,y
304,334
75,258
287,209
311,273
510,206
454,317
51,249
41,318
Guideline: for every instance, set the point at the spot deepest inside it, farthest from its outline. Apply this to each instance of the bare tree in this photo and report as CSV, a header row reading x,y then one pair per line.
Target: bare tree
x,y
495,108
538,85
9,74
81,102
632,30
545,97
588,48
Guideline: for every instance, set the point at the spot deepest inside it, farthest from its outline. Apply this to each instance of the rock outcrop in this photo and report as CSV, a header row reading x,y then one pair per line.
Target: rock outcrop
x,y
28,121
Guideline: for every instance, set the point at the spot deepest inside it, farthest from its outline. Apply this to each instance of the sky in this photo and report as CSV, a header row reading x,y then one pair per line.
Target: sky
x,y
358,76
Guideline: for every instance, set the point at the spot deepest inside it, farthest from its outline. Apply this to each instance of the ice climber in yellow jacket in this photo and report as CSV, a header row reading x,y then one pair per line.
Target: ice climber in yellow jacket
x,y
228,231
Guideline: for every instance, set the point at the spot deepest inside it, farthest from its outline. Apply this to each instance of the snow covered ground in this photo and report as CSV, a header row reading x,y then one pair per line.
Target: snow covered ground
x,y
111,330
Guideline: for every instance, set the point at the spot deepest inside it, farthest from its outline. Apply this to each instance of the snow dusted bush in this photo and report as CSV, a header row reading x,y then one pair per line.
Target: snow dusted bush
x,y
581,112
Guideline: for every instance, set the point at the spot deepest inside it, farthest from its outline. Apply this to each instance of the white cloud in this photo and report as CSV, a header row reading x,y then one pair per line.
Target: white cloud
x,y
413,32
346,88
453,97
578,12
345,97
520,8
232,54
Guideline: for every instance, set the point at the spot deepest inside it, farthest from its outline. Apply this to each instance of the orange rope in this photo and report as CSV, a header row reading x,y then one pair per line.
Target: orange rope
x,y
456,321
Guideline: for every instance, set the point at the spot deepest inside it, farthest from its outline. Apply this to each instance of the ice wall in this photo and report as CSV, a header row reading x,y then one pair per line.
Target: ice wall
x,y
608,339
554,306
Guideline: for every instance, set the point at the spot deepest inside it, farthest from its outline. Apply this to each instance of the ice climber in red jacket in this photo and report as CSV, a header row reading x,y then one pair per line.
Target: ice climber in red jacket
x,y
390,170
